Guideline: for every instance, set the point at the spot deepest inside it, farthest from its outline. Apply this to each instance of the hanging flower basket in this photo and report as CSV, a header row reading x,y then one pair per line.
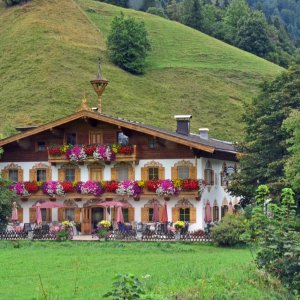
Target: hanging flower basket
x,y
167,198
77,199
197,198
24,199
136,198
52,199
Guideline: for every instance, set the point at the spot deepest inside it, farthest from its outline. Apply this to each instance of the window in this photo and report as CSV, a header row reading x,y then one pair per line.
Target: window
x,y
224,210
122,172
183,172
44,214
153,173
41,146
13,175
41,175
96,137
122,138
70,175
71,138
209,175
70,214
152,143
216,213
150,214
125,214
184,214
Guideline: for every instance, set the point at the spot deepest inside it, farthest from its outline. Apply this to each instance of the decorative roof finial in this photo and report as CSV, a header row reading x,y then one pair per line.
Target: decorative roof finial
x,y
99,75
84,104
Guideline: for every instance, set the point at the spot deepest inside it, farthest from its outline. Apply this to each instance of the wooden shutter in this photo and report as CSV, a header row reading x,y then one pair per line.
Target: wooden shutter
x,y
20,215
193,173
77,215
61,214
113,212
114,174
5,174
175,214
32,215
96,174
145,214
174,173
48,174
160,210
131,214
192,214
20,175
131,173
161,173
61,175
96,137
144,173
32,175
77,174
48,215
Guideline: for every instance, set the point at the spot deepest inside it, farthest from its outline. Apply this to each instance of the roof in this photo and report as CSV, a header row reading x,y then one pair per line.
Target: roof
x,y
192,140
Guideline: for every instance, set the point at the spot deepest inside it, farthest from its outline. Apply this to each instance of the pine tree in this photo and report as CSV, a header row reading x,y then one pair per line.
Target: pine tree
x,y
191,14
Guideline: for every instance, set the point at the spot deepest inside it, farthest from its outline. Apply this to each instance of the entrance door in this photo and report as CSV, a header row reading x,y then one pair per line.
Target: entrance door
x,y
86,221
97,216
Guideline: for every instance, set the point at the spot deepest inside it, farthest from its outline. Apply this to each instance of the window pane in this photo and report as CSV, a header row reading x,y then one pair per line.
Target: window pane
x,y
44,214
183,172
71,138
41,175
13,175
70,175
184,214
122,173
152,143
70,214
122,138
150,214
41,146
153,173
125,215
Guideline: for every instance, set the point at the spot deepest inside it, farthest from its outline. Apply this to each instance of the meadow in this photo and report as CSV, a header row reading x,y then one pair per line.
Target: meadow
x,y
83,270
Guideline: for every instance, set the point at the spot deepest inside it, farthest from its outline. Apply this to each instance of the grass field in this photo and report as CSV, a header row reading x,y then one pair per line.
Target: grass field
x,y
50,49
175,271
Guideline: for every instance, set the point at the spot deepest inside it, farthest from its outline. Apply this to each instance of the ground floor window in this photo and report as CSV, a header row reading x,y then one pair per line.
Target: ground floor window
x,y
224,210
44,214
184,214
70,214
216,213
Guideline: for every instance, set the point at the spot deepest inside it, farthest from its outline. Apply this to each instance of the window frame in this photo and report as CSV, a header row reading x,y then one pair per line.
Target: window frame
x,y
184,214
187,168
37,174
152,143
38,149
67,134
153,175
73,175
16,172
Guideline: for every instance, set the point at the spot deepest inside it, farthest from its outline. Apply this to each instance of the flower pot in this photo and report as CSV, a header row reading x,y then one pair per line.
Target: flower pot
x,y
167,198
52,199
24,199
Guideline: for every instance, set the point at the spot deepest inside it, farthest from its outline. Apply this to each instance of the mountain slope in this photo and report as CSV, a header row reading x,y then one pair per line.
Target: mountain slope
x,y
51,48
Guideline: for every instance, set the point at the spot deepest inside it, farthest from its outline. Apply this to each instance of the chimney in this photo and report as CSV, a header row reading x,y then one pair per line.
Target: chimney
x,y
183,124
203,132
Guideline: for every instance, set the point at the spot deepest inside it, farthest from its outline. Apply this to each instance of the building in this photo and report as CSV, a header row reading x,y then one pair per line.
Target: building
x,y
36,155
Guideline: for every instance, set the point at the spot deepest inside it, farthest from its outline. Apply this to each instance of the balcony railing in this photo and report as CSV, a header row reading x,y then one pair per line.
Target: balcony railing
x,y
87,153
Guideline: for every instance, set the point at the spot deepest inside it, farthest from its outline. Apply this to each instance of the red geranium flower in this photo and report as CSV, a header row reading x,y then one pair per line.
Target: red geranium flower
x,y
152,185
68,187
31,187
111,186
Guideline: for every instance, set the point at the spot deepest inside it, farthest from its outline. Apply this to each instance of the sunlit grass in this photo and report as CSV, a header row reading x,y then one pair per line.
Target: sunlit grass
x,y
80,270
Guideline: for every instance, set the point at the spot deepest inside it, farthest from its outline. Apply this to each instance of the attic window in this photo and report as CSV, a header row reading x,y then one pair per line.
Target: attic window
x,y
41,146
71,138
152,143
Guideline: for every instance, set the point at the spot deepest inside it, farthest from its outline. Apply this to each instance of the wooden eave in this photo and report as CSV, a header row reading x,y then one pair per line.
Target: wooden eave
x,y
111,120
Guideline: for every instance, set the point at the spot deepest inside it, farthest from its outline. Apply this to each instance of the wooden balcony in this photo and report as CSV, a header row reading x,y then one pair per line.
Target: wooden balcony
x,y
53,159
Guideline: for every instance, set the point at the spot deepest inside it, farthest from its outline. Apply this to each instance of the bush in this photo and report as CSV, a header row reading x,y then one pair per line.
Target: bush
x,y
6,199
128,44
230,230
156,11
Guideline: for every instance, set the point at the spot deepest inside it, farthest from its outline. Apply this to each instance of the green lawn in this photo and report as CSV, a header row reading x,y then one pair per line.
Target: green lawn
x,y
81,270
51,49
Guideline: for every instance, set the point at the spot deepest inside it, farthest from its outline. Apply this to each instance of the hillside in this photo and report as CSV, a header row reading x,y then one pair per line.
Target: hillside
x,y
51,49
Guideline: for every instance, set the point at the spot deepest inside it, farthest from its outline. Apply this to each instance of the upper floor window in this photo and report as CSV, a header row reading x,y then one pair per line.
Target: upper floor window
x,y
71,138
122,171
41,175
183,172
122,138
41,146
70,214
153,173
70,174
209,175
96,137
152,143
13,175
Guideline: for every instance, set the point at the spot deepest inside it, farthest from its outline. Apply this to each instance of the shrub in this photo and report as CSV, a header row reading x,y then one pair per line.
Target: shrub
x,y
128,44
156,11
230,230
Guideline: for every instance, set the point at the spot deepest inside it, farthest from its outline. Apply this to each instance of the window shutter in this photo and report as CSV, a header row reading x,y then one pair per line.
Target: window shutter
x,y
48,215
192,214
144,173
212,177
96,174
130,214
5,174
32,215
114,174
131,173
175,214
48,174
160,211
113,212
104,214
61,214
193,173
77,174
61,175
32,175
77,215
174,173
20,175
161,173
20,215
145,214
